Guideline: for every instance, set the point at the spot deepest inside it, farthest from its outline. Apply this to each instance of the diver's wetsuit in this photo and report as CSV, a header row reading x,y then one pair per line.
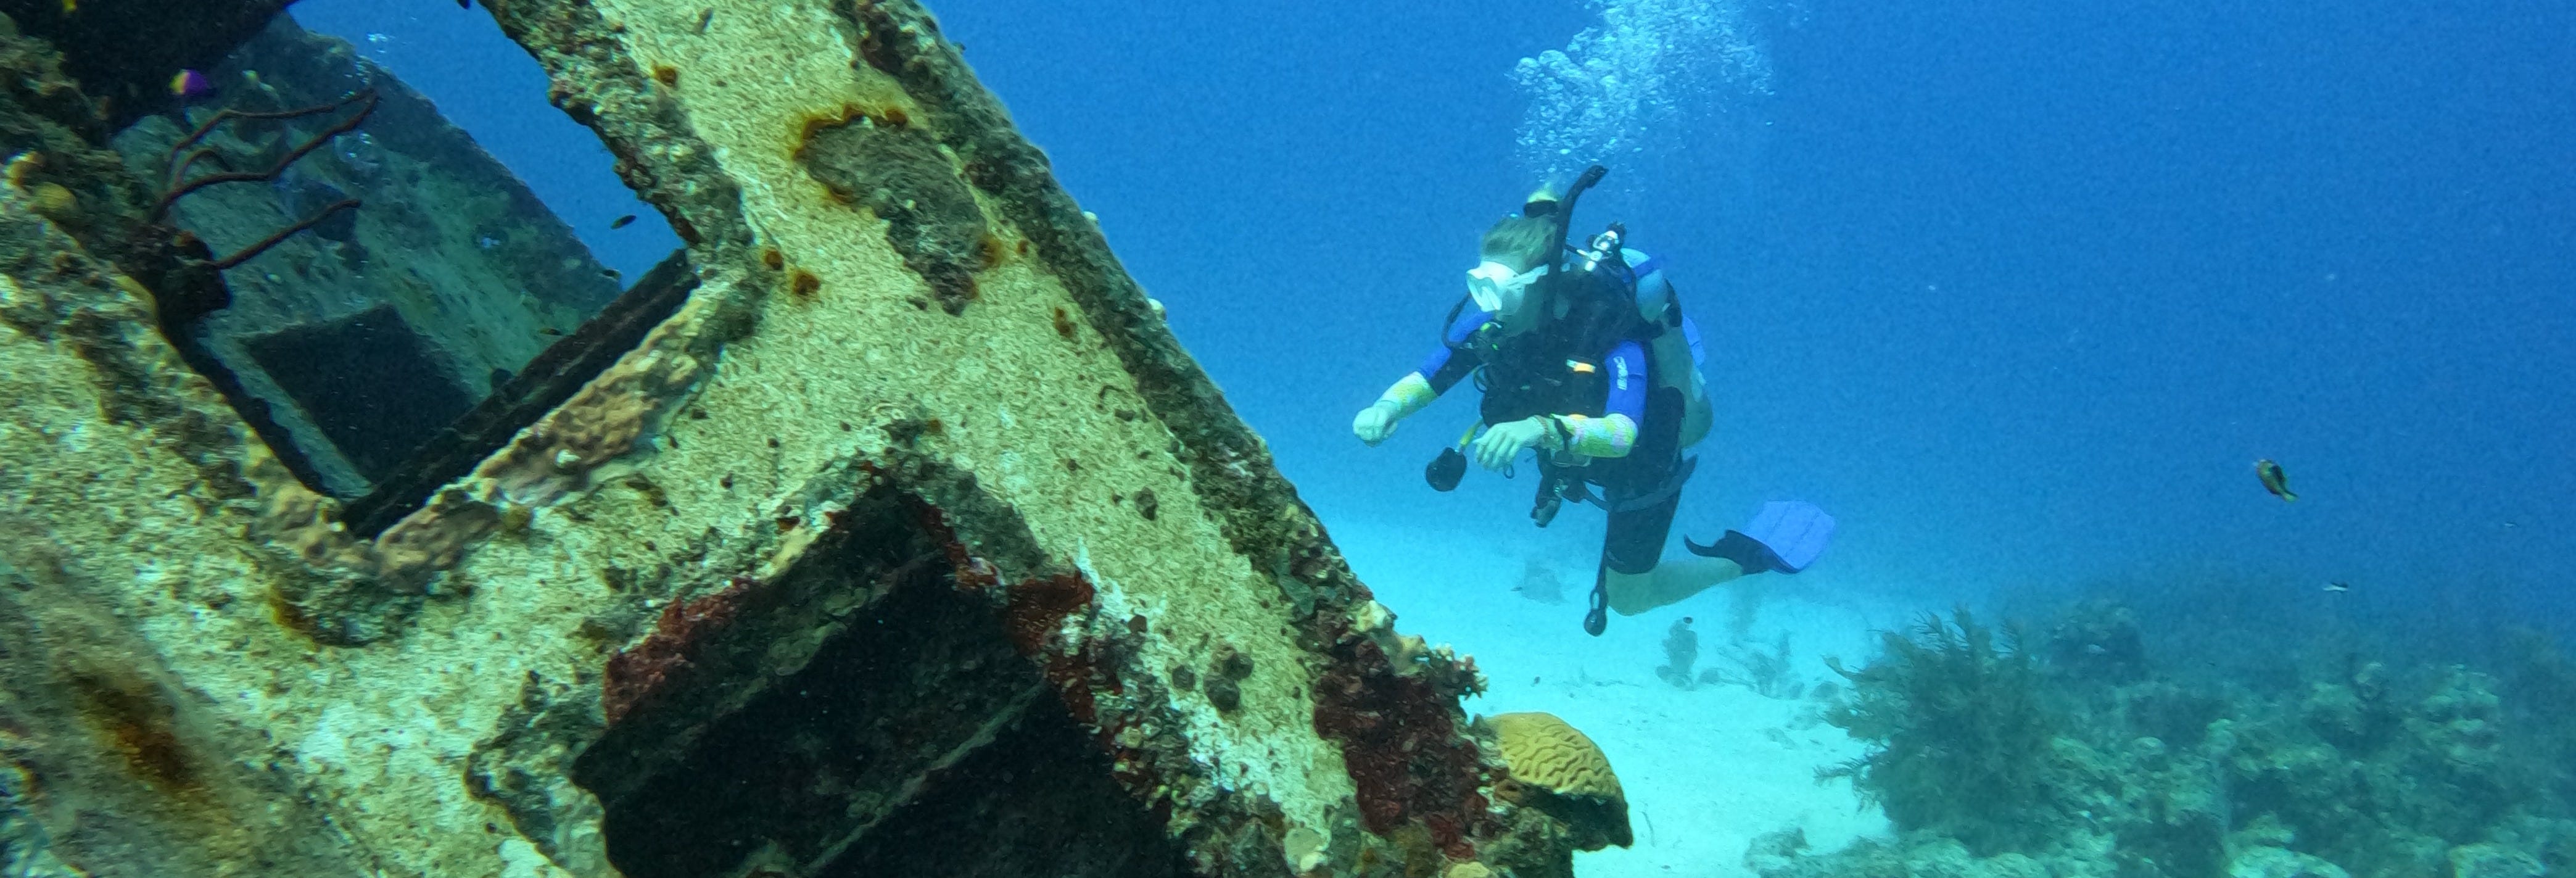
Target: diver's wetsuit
x,y
1636,471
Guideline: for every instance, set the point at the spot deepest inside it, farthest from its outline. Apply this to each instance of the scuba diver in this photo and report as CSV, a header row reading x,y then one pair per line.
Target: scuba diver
x,y
1583,356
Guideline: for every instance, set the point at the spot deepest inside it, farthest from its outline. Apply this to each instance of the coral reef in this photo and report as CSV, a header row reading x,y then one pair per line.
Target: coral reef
x,y
1961,744
2373,783
2074,760
2098,639
1768,672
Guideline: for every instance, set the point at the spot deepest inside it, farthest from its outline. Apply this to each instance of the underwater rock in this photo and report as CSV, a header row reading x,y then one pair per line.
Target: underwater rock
x,y
2339,716
2460,723
1913,855
1304,849
2389,803
2494,861
1224,693
2176,714
1775,851
2273,862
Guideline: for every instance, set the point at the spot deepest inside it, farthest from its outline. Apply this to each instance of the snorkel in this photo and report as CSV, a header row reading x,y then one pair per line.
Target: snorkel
x,y
1445,471
1565,217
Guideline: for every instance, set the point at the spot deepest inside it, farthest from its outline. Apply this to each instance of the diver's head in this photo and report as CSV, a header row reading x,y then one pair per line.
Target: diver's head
x,y
1515,253
1521,242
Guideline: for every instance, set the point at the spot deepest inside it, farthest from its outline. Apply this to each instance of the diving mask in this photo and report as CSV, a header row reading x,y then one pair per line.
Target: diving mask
x,y
1495,288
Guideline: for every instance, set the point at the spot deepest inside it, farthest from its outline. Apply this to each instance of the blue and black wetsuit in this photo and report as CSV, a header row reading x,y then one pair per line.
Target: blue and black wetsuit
x,y
1622,421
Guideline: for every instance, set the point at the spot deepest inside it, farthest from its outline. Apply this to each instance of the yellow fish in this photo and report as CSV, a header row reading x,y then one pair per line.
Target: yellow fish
x,y
2274,480
71,6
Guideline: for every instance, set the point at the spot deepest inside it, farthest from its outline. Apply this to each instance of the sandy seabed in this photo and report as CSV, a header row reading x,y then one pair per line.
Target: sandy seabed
x,y
1706,769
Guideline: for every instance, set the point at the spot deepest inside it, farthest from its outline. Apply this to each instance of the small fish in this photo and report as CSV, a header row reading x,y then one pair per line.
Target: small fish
x,y
189,85
71,6
2338,586
706,17
621,222
2274,480
464,4
549,330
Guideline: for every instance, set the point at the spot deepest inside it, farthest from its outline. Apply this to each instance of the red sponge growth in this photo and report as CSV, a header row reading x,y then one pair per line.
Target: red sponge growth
x,y
1036,610
637,672
1039,605
1398,736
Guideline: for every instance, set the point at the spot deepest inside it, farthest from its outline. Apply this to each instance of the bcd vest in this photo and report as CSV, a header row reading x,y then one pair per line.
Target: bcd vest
x,y
1555,368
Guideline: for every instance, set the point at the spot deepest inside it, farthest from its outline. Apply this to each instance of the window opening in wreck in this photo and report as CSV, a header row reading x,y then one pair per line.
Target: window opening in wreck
x,y
400,300
489,86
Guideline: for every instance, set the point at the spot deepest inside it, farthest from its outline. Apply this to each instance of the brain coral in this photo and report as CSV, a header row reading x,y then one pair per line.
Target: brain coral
x,y
1545,751
1558,770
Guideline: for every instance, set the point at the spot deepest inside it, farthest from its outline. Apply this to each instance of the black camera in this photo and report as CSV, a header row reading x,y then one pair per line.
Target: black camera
x,y
1444,471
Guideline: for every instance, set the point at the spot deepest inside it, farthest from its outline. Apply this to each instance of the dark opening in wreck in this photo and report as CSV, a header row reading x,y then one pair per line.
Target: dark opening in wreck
x,y
862,714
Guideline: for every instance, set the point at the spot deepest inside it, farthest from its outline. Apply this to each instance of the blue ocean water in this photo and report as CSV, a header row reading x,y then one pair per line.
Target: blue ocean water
x,y
2019,291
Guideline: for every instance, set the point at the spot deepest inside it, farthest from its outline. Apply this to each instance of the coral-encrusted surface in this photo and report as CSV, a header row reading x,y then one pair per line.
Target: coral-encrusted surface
x,y
1399,737
852,560
125,594
638,671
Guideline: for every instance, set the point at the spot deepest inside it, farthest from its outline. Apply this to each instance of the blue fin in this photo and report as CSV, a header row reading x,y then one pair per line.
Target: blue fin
x,y
1794,530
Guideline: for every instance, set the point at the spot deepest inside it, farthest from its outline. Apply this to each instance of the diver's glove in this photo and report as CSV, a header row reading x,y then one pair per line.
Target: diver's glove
x,y
1505,441
1408,395
1375,423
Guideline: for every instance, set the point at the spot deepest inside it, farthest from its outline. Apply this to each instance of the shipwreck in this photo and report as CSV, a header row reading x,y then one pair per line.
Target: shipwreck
x,y
355,521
